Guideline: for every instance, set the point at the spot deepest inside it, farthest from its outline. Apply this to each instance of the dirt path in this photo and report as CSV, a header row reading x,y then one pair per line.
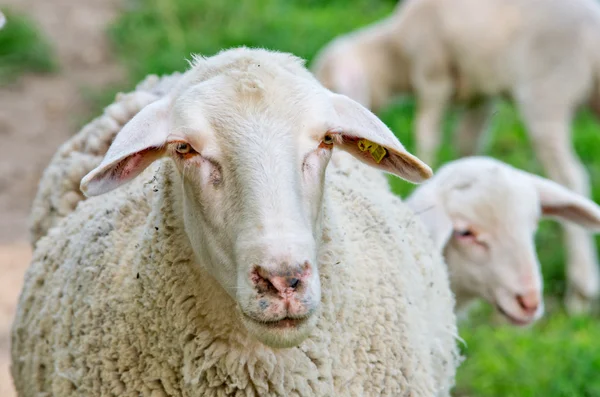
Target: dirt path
x,y
37,114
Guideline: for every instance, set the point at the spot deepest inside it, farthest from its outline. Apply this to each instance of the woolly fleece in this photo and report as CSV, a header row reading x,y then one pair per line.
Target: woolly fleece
x,y
113,305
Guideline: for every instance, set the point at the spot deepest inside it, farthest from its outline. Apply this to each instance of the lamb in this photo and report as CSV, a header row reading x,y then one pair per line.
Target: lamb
x,y
469,52
217,254
483,214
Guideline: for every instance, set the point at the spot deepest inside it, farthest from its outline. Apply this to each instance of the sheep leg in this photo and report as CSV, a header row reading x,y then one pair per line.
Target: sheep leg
x,y
472,128
432,100
551,139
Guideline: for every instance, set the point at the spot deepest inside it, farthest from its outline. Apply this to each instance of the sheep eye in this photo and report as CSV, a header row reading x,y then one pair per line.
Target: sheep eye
x,y
183,148
328,139
464,233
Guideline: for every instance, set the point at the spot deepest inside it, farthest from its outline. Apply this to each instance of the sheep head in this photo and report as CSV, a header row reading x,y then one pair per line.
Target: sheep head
x,y
251,133
483,215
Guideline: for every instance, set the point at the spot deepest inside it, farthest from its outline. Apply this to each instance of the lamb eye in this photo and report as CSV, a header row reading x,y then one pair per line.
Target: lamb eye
x,y
183,148
464,233
328,139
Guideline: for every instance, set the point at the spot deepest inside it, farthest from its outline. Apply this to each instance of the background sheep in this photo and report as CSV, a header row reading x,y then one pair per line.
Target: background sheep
x,y
543,55
123,296
483,214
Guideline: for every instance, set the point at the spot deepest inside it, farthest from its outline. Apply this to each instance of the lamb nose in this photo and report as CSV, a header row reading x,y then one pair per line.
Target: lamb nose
x,y
529,302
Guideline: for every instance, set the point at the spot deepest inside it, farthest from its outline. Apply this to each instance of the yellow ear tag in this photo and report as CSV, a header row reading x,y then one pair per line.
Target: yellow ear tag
x,y
378,152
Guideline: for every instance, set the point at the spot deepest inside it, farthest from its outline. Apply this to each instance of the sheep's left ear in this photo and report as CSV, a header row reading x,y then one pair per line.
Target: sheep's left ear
x,y
559,202
368,139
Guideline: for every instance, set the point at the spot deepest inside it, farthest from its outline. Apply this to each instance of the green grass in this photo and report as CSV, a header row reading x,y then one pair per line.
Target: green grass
x,y
560,356
22,49
557,357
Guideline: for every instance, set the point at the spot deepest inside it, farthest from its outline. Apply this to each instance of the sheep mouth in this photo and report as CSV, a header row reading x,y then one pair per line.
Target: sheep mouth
x,y
284,323
512,319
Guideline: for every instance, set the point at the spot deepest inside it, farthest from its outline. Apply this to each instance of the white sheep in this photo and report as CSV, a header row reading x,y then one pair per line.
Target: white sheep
x,y
237,263
483,214
544,55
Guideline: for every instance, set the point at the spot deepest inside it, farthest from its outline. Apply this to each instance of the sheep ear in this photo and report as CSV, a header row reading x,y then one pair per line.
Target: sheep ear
x,y
368,139
561,203
141,141
426,204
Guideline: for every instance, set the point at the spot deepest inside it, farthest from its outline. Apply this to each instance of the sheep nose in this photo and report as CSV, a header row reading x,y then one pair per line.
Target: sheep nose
x,y
283,282
529,302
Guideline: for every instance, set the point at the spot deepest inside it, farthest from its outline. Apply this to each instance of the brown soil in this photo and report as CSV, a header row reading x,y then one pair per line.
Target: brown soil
x,y
37,114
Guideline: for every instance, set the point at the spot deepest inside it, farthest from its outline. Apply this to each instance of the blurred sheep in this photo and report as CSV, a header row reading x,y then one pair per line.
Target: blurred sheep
x,y
544,55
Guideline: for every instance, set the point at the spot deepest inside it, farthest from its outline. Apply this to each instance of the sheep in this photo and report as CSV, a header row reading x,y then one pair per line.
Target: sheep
x,y
191,269
2,20
543,55
483,214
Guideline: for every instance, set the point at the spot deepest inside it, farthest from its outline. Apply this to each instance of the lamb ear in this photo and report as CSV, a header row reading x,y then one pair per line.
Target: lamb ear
x,y
141,141
427,205
561,203
368,139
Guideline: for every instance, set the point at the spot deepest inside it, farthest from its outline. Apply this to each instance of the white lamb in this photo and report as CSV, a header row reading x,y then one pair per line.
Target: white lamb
x,y
236,263
544,55
483,214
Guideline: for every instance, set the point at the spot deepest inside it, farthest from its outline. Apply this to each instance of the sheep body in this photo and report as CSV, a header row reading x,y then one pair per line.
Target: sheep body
x,y
113,305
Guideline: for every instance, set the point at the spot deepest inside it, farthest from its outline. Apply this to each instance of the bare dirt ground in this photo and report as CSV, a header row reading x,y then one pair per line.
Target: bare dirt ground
x,y
37,114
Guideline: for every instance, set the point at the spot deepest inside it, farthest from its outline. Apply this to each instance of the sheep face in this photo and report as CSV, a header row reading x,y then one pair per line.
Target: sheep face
x,y
483,214
490,249
251,136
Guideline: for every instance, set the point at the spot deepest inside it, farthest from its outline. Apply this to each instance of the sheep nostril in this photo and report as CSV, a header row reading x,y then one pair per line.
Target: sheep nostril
x,y
261,280
294,283
528,303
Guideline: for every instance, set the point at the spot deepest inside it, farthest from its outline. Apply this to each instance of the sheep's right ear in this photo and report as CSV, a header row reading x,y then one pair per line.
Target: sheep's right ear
x,y
426,204
561,203
141,141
